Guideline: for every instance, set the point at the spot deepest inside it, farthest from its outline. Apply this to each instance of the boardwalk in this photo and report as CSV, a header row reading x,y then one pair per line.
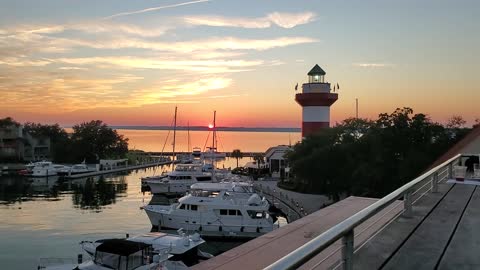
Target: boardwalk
x,y
260,252
442,233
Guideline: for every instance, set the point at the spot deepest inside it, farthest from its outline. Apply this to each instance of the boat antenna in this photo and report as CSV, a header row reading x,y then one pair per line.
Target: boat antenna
x,y
356,107
213,141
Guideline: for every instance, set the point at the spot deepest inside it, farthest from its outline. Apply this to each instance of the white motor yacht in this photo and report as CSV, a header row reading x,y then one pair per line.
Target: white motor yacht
x,y
225,209
179,180
76,169
46,168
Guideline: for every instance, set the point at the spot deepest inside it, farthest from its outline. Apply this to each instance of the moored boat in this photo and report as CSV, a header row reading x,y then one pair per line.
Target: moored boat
x,y
46,168
75,169
119,254
183,248
225,209
179,180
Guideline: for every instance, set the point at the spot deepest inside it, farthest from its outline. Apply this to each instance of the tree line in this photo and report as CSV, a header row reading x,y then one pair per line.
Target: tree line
x,y
89,141
371,158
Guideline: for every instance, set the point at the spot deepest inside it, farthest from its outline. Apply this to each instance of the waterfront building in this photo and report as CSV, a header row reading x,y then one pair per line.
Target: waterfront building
x,y
316,98
276,160
19,145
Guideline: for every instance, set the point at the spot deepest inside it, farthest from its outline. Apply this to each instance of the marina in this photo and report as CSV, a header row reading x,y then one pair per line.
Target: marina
x,y
91,203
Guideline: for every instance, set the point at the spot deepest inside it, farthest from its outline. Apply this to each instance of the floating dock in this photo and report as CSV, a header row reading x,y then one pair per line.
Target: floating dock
x,y
116,170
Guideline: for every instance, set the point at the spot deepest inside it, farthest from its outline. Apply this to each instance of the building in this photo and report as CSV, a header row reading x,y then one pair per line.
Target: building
x,y
316,98
18,145
277,163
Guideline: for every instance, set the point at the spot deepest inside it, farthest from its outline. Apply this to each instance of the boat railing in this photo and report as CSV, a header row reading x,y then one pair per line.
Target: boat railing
x,y
48,262
345,229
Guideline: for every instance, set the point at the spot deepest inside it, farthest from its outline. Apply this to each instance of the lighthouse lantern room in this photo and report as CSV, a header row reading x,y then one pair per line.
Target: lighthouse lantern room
x,y
316,98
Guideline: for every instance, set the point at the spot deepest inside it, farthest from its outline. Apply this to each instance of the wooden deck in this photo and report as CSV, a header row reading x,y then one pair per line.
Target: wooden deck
x,y
264,250
443,233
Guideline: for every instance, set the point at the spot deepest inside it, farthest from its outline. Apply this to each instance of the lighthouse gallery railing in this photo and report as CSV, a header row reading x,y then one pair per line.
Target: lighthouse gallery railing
x,y
344,230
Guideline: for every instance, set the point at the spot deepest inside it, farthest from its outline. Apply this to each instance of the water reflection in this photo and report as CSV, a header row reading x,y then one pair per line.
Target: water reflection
x,y
94,194
87,193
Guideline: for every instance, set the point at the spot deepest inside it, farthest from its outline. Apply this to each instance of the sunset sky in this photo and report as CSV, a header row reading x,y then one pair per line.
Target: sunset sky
x,y
131,62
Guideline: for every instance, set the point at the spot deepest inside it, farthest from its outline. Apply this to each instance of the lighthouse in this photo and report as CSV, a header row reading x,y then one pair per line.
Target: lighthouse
x,y
316,98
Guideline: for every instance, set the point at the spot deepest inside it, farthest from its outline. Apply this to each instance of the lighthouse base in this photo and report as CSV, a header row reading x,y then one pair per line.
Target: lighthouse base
x,y
310,128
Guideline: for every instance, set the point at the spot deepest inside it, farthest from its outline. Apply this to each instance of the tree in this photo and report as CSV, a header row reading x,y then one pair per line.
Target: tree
x,y
258,158
477,123
59,141
237,154
368,158
94,140
8,121
456,122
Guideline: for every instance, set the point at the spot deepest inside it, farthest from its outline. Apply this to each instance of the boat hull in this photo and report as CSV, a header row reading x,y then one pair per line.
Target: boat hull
x,y
213,229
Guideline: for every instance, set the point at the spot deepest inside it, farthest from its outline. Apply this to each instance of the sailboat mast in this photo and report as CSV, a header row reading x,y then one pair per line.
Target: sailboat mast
x,y
188,136
214,131
174,132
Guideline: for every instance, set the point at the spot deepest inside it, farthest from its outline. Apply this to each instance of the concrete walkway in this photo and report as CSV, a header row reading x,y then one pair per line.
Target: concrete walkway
x,y
309,202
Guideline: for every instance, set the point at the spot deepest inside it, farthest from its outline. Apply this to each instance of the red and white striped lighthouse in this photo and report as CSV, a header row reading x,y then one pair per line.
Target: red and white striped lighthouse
x,y
315,99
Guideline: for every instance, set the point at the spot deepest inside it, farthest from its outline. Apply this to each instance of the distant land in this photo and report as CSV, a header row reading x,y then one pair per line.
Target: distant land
x,y
201,128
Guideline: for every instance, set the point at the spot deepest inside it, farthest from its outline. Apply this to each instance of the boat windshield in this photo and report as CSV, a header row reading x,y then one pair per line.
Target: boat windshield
x,y
186,168
204,193
122,254
115,261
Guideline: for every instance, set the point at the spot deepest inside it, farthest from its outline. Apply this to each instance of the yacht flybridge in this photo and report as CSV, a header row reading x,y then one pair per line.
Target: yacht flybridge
x,y
182,247
179,180
225,209
119,254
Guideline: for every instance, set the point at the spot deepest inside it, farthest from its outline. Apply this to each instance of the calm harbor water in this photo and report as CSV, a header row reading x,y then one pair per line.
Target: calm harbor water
x,y
47,218
154,140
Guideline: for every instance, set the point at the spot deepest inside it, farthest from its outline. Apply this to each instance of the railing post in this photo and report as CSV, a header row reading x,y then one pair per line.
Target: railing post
x,y
450,170
347,250
407,203
435,182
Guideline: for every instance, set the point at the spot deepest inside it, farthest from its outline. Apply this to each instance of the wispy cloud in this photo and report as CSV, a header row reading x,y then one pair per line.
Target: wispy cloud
x,y
219,43
373,65
154,9
23,62
202,66
284,20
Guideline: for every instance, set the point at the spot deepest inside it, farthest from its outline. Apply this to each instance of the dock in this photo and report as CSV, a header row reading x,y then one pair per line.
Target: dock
x,y
116,170
228,154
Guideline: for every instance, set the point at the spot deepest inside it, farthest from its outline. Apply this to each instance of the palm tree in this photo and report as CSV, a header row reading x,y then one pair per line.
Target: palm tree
x,y
237,154
258,159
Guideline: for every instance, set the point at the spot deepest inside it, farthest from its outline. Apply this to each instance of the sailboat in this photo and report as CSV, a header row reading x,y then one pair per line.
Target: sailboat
x,y
212,152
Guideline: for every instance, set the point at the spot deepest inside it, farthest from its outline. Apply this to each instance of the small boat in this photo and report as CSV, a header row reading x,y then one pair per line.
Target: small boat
x,y
213,154
46,168
197,152
182,247
179,180
216,210
118,254
76,169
